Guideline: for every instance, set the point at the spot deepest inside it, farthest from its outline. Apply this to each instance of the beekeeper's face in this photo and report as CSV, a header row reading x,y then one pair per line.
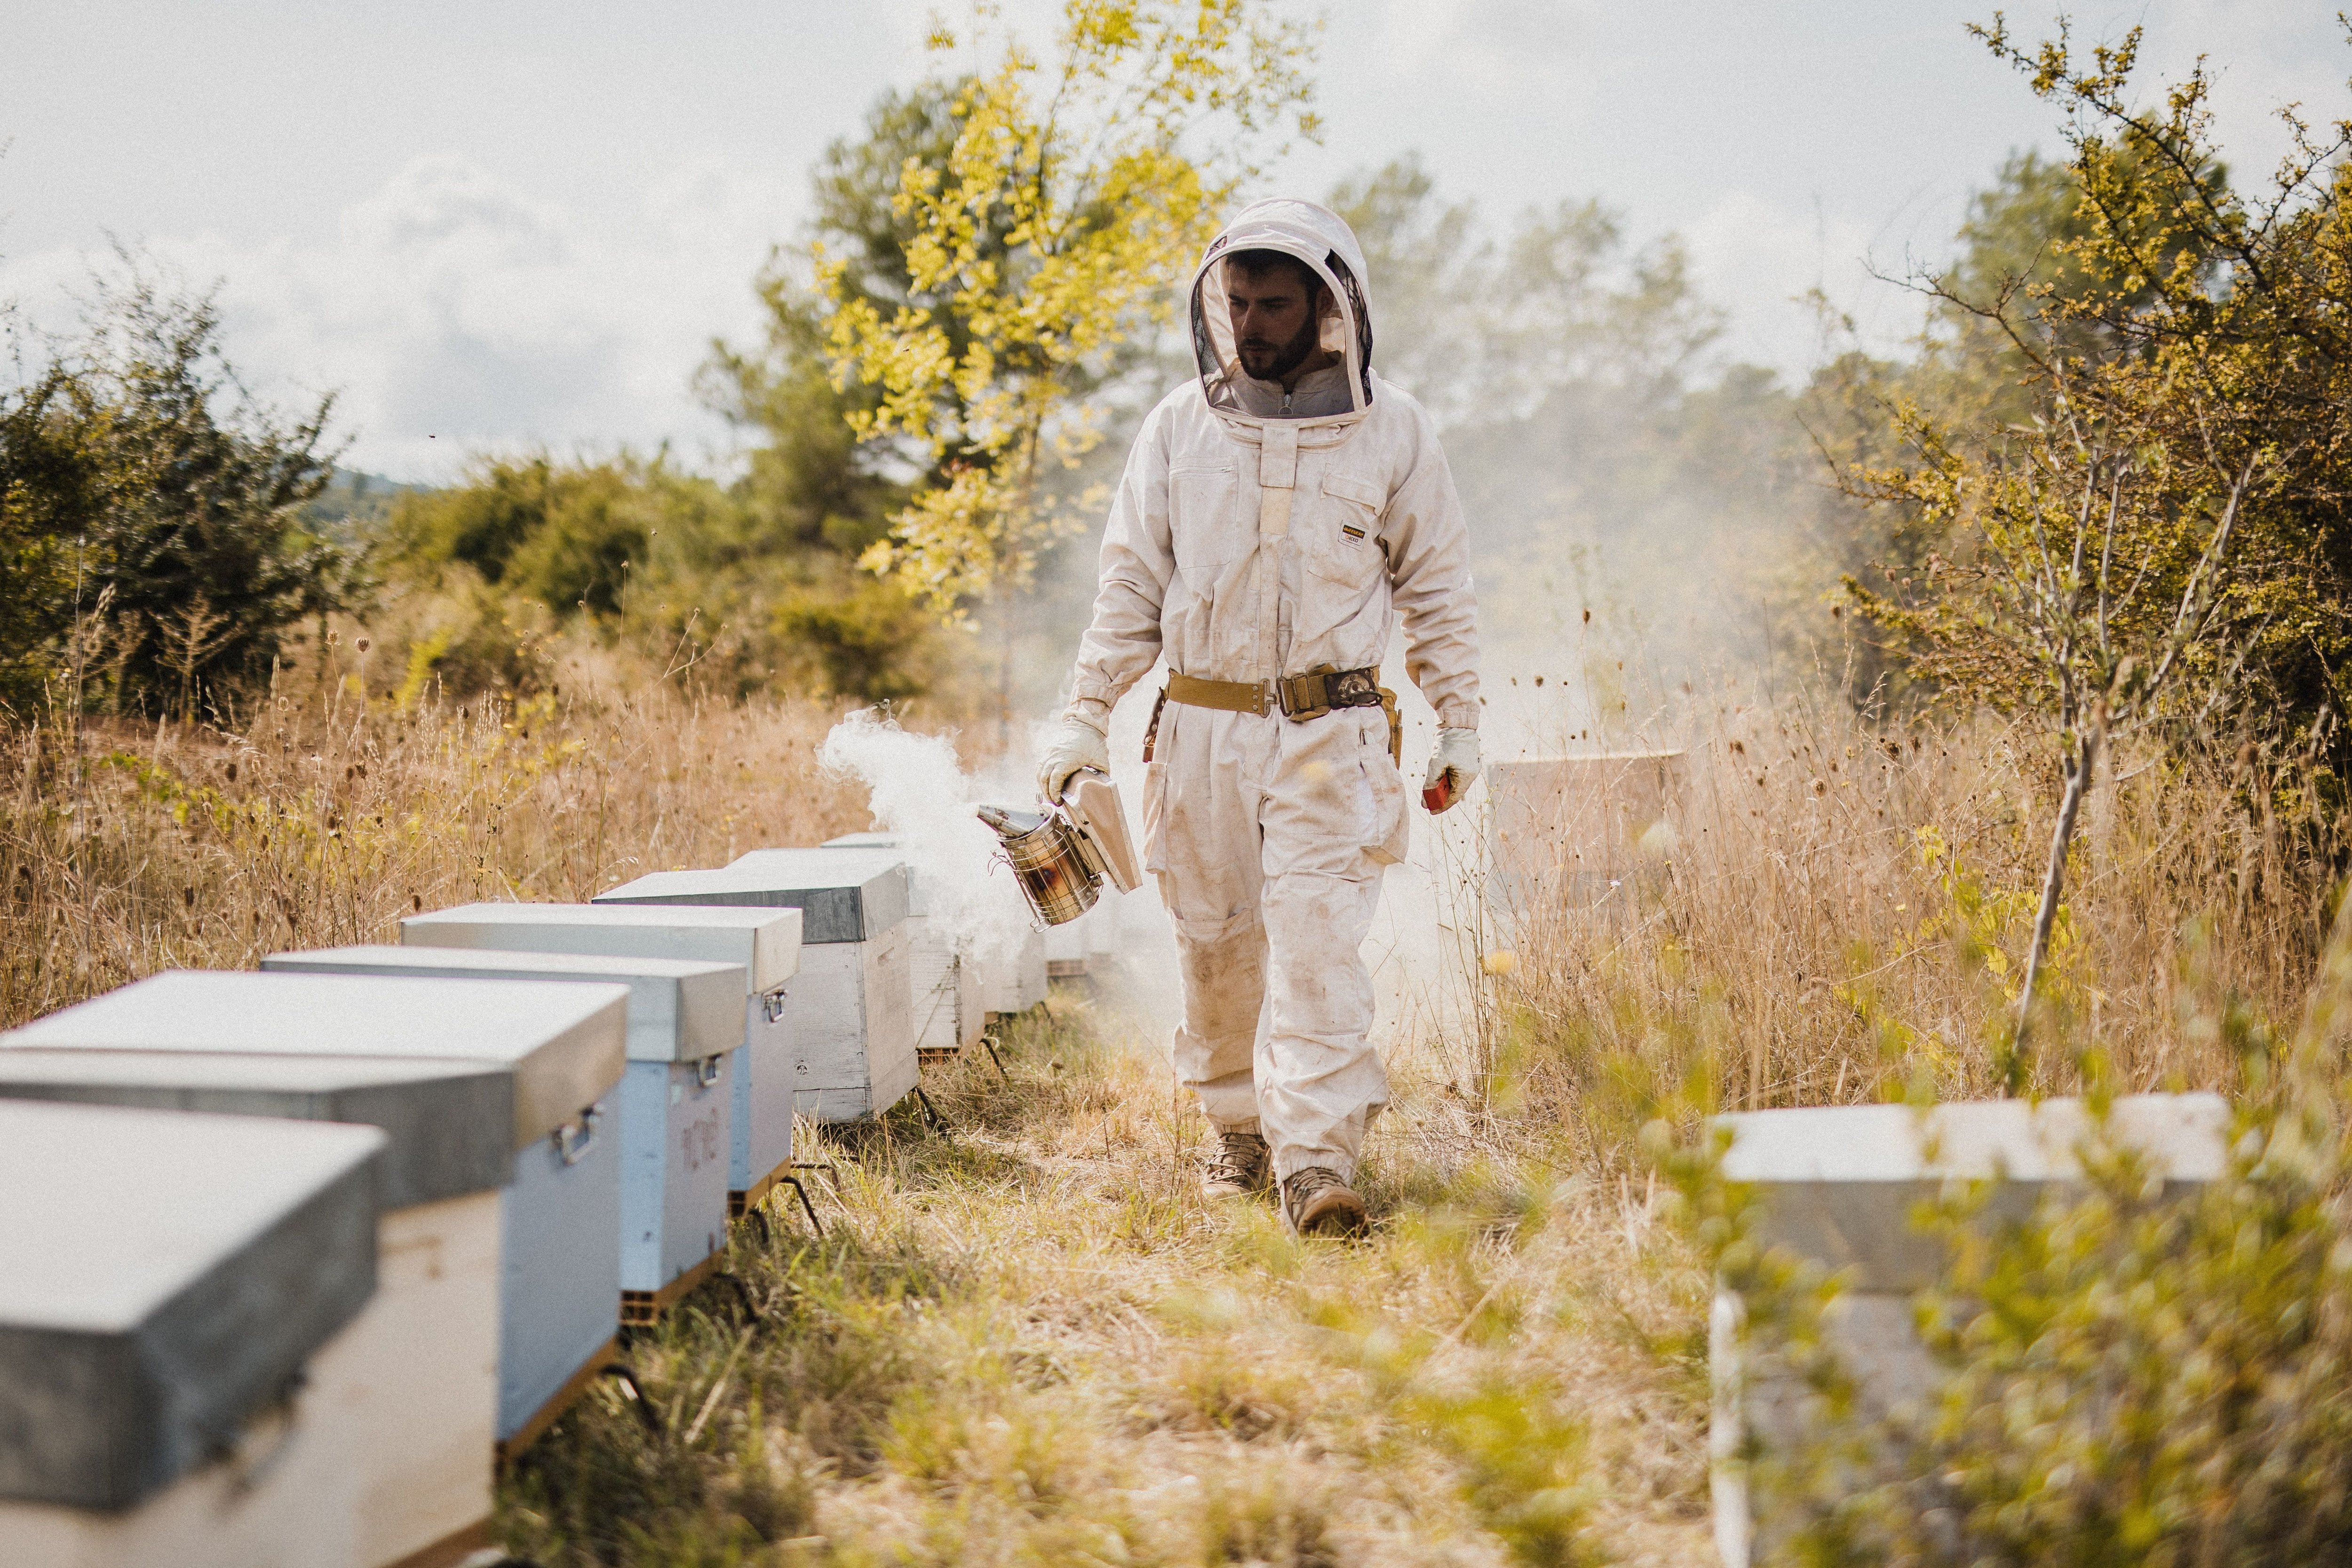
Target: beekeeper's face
x,y
1273,311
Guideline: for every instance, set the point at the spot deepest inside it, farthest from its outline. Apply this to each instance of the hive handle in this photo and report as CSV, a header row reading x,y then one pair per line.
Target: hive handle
x,y
573,1140
772,1004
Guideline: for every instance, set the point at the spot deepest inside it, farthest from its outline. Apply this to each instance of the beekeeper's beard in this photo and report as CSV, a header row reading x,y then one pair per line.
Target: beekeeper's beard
x,y
1266,360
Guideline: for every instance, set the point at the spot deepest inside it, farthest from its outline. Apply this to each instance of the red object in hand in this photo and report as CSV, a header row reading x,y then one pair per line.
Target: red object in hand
x,y
1440,795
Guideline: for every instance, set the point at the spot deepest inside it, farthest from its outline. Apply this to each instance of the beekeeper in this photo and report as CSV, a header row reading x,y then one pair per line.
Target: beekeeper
x,y
1277,517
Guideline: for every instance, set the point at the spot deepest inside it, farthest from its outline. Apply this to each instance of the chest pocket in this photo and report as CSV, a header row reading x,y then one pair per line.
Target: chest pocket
x,y
1205,527
1342,542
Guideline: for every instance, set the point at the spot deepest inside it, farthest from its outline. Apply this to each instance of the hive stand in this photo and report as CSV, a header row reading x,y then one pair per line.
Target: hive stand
x,y
1839,1185
675,1098
945,981
554,1051
764,943
853,1023
172,1283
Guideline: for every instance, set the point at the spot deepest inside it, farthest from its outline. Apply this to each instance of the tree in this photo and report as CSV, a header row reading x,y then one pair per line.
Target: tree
x,y
134,467
52,480
2166,531
1037,249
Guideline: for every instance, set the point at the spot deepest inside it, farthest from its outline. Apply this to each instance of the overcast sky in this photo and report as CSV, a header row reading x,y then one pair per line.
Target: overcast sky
x,y
513,222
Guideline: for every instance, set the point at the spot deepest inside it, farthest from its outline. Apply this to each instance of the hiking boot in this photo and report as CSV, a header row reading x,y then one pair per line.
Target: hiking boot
x,y
1239,1165
1321,1204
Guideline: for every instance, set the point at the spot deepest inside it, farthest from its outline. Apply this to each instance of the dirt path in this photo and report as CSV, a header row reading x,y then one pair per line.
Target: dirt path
x,y
1031,1340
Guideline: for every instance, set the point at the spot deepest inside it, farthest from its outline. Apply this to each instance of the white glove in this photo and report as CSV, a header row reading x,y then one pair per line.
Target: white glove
x,y
1457,754
1076,745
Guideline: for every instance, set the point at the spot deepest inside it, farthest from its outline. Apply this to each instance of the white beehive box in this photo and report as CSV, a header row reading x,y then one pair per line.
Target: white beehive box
x,y
408,1470
556,1051
1570,832
1015,981
765,944
685,1023
1069,947
853,1012
1840,1184
172,1282
943,979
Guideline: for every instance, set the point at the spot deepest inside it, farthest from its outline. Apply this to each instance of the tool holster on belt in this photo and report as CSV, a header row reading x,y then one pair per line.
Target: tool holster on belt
x,y
1298,697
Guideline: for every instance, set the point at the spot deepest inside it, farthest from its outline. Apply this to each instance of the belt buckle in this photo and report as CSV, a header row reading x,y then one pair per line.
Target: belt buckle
x,y
1284,687
1355,688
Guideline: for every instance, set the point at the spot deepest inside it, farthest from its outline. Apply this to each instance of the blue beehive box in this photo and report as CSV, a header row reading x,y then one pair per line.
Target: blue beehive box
x,y
853,1009
559,1050
685,1023
764,943
169,1281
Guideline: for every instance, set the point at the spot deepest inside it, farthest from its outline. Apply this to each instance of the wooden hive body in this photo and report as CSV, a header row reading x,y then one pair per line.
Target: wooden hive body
x,y
685,1024
942,979
384,1454
1840,1184
559,1050
852,1007
1571,831
764,943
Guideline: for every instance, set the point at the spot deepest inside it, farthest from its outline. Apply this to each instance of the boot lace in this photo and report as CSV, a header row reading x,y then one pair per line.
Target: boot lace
x,y
1240,1159
1304,1185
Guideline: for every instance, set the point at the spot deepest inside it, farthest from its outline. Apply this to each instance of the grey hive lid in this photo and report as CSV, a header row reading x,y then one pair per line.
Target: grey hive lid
x,y
1839,1184
843,895
680,1009
564,1045
2186,1135
917,904
451,1123
167,1275
765,942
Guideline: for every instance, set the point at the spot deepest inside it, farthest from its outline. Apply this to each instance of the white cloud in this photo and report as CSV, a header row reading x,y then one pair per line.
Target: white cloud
x,y
457,314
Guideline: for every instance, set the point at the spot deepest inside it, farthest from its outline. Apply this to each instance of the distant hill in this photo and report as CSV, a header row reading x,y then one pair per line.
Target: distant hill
x,y
354,503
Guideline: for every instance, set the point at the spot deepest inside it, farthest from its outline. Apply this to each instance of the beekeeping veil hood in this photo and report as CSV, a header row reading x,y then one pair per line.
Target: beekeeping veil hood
x,y
1322,239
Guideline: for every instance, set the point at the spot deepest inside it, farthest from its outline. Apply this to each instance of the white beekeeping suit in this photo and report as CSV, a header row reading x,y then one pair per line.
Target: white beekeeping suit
x,y
1262,532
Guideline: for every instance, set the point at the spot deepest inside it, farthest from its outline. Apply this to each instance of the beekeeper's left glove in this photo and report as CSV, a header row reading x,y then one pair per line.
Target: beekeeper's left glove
x,y
1457,754
1076,745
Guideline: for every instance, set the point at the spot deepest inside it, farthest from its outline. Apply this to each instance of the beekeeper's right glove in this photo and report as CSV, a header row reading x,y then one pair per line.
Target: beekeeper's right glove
x,y
1076,745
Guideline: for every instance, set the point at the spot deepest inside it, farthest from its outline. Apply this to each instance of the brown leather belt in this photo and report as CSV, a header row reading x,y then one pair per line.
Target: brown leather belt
x,y
1300,698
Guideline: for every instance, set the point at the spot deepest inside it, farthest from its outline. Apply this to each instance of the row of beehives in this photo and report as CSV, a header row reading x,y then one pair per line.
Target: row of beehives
x,y
294,1258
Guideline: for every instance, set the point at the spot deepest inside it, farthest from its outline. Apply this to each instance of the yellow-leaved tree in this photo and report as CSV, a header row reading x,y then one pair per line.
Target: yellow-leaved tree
x,y
1039,257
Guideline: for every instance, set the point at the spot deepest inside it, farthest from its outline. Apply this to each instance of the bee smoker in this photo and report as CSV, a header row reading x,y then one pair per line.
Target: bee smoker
x,y
1061,855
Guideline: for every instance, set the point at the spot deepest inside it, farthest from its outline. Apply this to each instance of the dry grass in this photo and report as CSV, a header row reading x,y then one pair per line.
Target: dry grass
x,y
1840,913
1033,1341
126,850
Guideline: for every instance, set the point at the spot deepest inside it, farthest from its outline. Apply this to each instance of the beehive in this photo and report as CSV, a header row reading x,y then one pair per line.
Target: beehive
x,y
1576,831
675,1099
1015,982
408,1471
1839,1185
764,943
554,1051
853,1012
943,979
172,1283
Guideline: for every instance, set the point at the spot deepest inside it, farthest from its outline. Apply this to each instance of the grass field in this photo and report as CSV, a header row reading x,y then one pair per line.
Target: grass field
x,y
1030,1339
1033,1341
